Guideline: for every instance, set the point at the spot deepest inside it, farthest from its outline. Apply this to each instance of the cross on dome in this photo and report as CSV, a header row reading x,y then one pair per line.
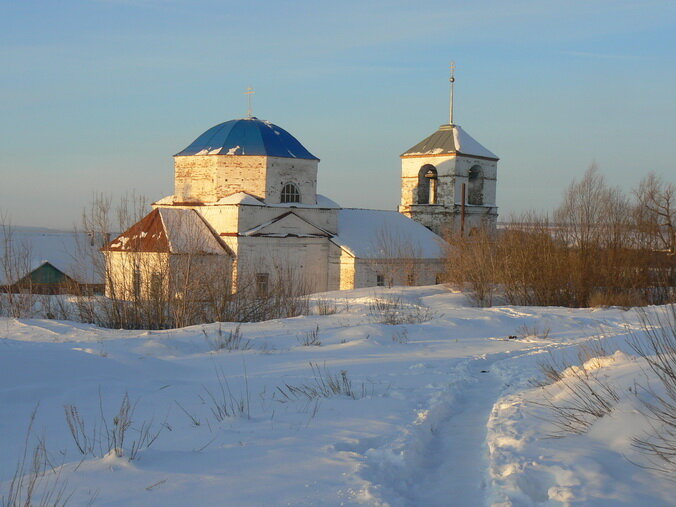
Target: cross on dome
x,y
249,92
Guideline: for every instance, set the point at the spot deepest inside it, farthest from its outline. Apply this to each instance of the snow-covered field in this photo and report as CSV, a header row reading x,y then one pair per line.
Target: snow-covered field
x,y
440,412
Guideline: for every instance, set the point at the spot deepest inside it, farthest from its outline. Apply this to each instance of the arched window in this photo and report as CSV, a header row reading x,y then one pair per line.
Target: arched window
x,y
427,184
475,186
290,193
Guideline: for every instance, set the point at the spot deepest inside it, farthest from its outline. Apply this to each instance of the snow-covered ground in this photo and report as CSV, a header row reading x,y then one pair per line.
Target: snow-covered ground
x,y
441,412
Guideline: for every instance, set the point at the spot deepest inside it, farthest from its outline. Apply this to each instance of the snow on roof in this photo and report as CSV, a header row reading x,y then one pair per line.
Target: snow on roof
x,y
240,198
377,234
325,202
322,202
250,200
165,200
73,253
467,145
450,139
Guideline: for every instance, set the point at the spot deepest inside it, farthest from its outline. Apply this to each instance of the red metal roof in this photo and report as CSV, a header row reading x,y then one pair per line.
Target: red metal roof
x,y
146,235
167,230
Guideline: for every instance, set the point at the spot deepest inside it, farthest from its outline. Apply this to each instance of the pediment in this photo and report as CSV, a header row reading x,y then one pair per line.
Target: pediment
x,y
287,225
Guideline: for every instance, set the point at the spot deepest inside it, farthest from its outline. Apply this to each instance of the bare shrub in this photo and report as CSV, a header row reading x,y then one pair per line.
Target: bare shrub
x,y
232,340
346,305
533,331
590,397
193,419
592,351
598,250
310,338
656,344
114,436
326,306
223,403
385,309
324,384
400,335
472,265
35,480
623,299
15,262
393,311
84,441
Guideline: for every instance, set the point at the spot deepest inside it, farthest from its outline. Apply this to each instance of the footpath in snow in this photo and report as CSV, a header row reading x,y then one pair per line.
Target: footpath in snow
x,y
439,409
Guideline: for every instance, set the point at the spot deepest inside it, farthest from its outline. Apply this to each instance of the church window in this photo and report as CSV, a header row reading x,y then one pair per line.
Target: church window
x,y
427,185
475,190
380,280
290,193
262,282
410,279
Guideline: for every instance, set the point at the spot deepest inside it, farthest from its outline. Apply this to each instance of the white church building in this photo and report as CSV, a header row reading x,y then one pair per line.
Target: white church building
x,y
245,208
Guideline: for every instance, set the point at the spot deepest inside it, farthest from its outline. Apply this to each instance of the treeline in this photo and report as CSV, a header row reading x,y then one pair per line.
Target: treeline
x,y
600,247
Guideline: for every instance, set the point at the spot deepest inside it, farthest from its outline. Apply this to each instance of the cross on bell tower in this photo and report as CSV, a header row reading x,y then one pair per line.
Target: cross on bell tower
x,y
452,81
448,180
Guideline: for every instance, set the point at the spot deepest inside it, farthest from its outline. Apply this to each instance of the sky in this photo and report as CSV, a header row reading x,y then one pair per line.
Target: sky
x,y
97,95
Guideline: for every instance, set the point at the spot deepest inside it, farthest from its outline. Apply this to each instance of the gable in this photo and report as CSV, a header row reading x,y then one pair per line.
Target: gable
x,y
45,274
287,225
146,235
188,232
167,230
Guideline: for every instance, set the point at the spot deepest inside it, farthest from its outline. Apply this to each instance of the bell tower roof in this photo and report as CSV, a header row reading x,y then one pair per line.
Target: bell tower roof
x,y
449,140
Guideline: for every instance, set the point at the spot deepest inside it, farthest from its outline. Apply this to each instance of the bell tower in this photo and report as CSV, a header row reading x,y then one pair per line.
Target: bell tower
x,y
448,180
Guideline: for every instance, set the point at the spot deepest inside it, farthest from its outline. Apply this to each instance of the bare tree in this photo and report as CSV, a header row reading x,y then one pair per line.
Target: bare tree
x,y
15,264
396,256
597,252
473,264
656,212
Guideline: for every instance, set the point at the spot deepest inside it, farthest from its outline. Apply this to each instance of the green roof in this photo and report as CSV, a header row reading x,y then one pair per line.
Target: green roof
x,y
45,274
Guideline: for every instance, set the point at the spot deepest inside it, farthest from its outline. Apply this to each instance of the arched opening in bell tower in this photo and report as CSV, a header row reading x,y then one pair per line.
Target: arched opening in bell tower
x,y
475,185
427,185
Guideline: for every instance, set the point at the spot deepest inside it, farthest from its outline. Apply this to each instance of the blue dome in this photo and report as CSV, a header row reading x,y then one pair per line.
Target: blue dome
x,y
248,136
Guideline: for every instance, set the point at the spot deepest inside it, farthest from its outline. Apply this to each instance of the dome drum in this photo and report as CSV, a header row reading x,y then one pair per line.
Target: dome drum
x,y
247,155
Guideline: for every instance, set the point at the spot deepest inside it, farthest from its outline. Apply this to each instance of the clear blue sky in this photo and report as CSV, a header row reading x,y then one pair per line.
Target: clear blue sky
x,y
97,95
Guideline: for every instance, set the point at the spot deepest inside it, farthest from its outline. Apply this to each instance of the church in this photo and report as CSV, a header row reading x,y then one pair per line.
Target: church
x,y
245,211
